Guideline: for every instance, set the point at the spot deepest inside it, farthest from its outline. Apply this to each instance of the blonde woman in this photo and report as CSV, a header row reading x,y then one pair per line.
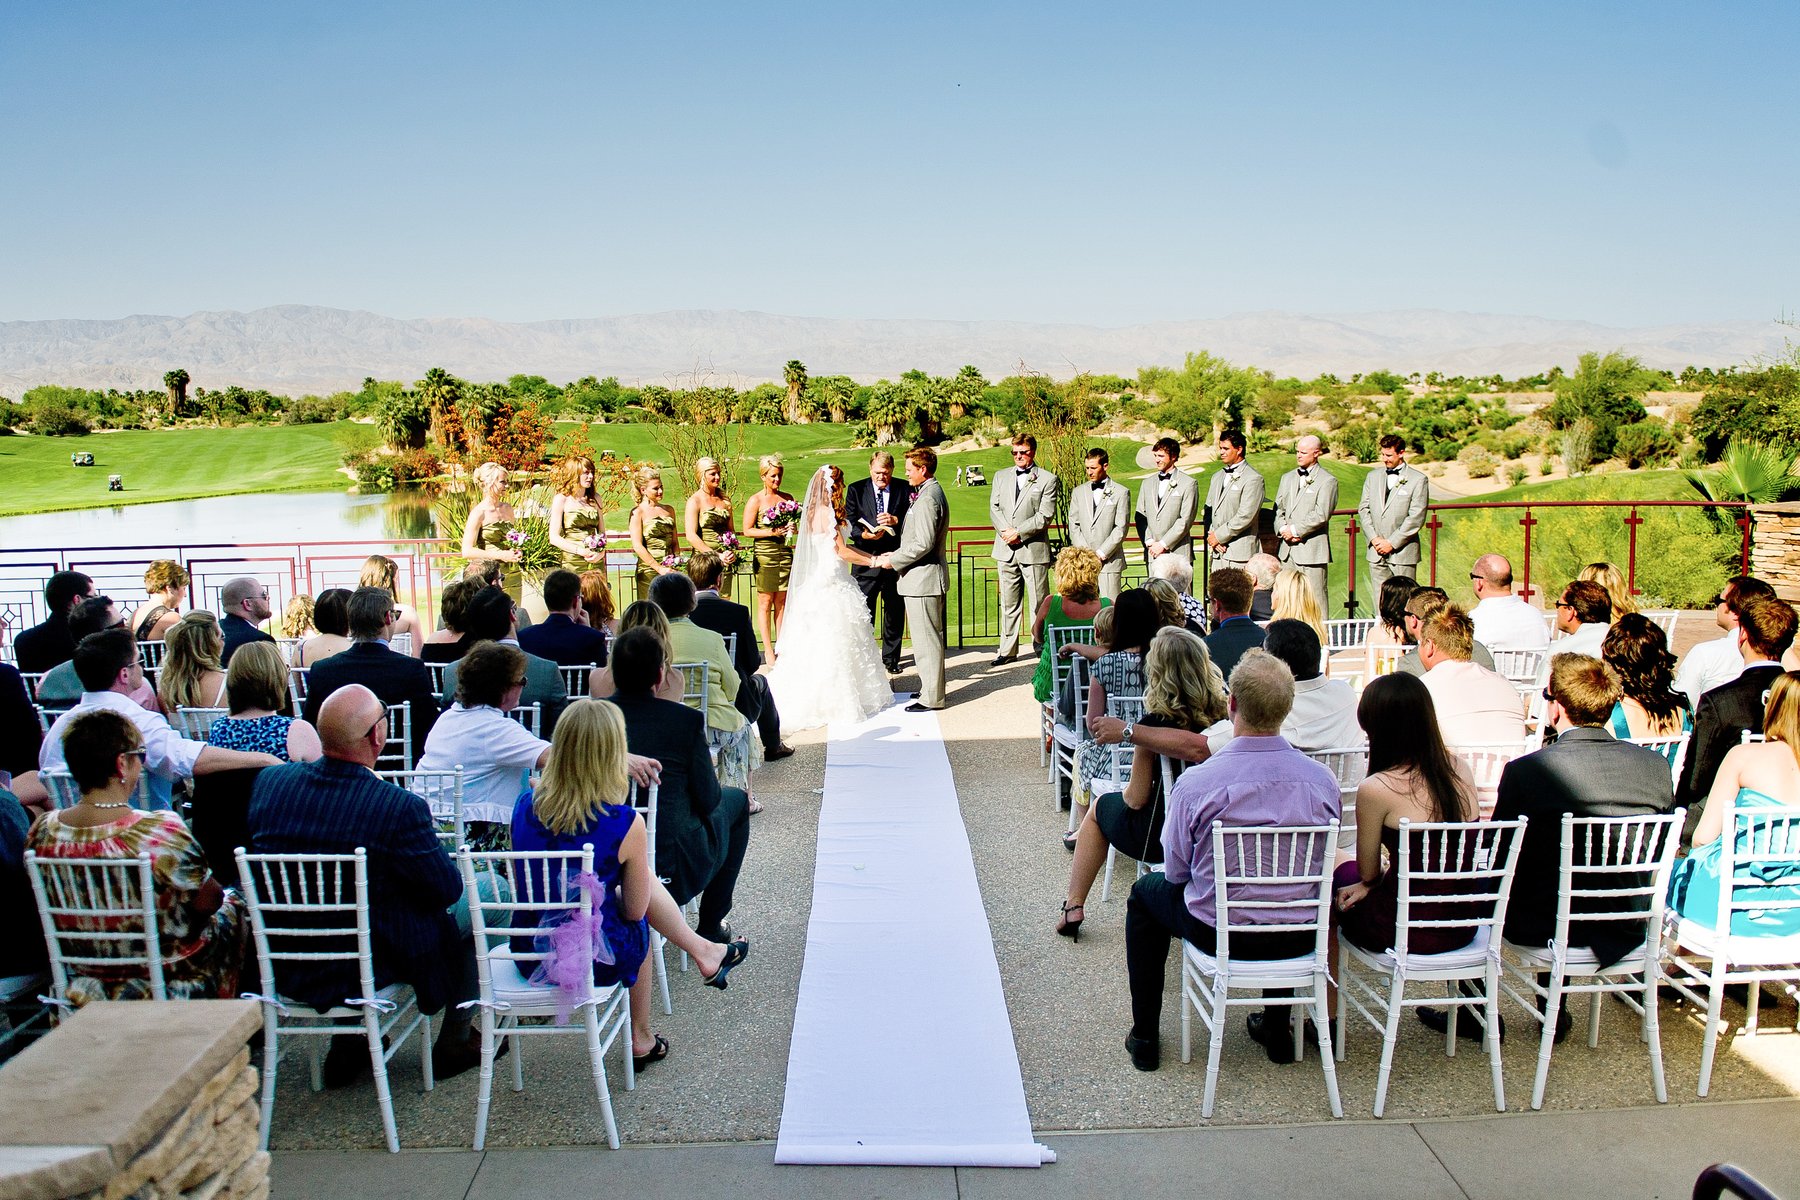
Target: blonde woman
x,y
709,520
490,521
583,799
167,583
1612,579
297,618
643,614
1294,600
256,692
576,514
774,551
1076,600
383,572
192,674
653,536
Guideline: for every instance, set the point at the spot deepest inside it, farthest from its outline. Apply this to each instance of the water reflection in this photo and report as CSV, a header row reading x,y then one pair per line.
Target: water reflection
x,y
260,517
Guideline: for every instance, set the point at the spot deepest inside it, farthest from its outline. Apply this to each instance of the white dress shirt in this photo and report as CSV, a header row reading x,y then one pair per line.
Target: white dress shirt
x,y
1709,665
167,755
1508,623
1323,718
1586,639
495,752
1475,706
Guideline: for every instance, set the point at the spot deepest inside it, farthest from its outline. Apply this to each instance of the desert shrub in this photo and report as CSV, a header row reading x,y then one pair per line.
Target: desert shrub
x,y
1517,473
414,466
57,420
1578,446
1478,460
1648,442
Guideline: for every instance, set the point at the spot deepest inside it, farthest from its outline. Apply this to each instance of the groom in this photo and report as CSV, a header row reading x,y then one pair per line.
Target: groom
x,y
923,580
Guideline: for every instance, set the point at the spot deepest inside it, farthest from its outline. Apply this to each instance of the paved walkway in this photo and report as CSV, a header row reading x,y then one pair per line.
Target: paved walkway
x,y
1640,1153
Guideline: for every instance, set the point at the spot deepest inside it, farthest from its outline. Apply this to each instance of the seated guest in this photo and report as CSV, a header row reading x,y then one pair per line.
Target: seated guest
x,y
597,601
1756,775
726,728
297,618
243,607
383,572
1323,716
1170,611
22,948
395,678
167,582
1412,776
1296,601
492,574
200,923
49,642
446,644
1182,690
20,736
110,671
1264,569
495,752
1390,609
1475,706
1118,672
563,636
1076,599
702,830
1233,632
642,614
1258,779
1421,606
1583,616
1717,662
1180,572
583,800
1765,631
256,694
493,617
61,688
712,611
1618,592
1649,706
336,805
191,675
1502,619
331,617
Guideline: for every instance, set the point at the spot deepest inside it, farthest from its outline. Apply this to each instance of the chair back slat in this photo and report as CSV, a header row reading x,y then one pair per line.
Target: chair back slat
x,y
66,793
1348,634
195,723
297,677
309,908
1462,869
1607,861
437,677
575,679
1523,667
531,716
1674,748
1486,762
33,679
442,792
1380,660
397,751
696,683
532,888
98,913
1758,863
1273,877
643,799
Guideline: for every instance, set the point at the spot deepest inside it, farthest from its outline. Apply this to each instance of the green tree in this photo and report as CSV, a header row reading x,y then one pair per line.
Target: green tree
x,y
177,383
442,393
890,407
405,420
966,391
1763,403
795,375
1607,390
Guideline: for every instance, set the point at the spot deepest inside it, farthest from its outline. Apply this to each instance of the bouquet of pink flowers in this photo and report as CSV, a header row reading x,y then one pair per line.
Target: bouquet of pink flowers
x,y
515,538
728,540
783,516
673,561
594,543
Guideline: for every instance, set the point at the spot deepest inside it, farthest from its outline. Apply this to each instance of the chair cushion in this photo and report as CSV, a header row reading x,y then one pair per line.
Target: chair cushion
x,y
1299,969
1469,957
14,986
1739,950
525,999
1580,961
400,993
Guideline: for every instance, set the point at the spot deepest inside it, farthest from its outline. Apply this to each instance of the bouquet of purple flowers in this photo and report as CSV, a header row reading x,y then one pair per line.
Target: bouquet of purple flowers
x,y
673,561
783,516
594,543
515,538
728,540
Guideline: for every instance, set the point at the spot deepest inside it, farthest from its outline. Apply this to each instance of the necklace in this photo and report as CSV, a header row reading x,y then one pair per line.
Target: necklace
x,y
120,804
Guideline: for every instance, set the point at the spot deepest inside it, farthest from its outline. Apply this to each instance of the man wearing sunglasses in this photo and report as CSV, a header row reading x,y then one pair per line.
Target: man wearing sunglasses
x,y
1716,663
1501,618
243,605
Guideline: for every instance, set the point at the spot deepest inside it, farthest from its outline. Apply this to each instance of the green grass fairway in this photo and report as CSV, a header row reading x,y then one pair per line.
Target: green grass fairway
x,y
172,464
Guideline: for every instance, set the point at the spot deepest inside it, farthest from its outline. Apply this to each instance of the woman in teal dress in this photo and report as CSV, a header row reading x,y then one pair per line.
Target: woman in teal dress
x,y
1760,775
1076,600
653,537
490,521
774,547
576,515
709,519
1650,707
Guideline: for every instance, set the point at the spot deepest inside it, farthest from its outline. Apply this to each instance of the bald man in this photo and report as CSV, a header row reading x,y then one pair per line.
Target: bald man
x,y
335,806
1303,503
243,605
1502,620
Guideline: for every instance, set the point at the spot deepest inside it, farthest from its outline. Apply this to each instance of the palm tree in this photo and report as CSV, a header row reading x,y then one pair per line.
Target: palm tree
x,y
890,408
966,391
1748,471
795,374
177,383
441,391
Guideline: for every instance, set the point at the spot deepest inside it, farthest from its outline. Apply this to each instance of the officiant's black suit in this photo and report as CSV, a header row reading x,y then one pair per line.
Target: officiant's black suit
x,y
878,583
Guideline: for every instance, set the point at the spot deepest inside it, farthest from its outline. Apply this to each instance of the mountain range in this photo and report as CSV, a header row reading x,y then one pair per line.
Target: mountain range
x,y
295,349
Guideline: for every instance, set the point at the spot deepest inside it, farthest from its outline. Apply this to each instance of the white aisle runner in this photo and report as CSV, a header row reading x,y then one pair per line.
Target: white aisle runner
x,y
902,1051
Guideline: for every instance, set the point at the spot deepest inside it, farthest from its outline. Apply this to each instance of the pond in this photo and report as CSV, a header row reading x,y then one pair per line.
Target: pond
x,y
256,517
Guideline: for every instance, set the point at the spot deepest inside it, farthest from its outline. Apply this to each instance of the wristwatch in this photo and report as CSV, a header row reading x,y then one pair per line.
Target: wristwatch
x,y
1125,736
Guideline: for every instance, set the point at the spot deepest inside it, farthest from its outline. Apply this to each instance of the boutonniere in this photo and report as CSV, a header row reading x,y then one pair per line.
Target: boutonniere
x,y
912,497
1399,482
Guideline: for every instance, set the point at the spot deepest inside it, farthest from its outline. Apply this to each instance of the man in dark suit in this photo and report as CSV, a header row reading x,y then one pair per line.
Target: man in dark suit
x,y
1765,631
875,508
243,603
396,678
1230,590
712,611
336,805
50,643
702,829
562,637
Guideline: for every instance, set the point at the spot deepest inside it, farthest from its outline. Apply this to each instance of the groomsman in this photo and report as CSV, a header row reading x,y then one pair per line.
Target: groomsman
x,y
1303,503
1098,518
875,508
1166,504
1022,503
1234,498
1392,513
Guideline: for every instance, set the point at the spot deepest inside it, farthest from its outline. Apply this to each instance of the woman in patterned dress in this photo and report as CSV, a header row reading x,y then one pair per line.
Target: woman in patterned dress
x,y
256,691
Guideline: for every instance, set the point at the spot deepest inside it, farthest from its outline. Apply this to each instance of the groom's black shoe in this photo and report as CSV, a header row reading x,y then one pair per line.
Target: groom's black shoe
x,y
915,706
893,666
1000,660
782,751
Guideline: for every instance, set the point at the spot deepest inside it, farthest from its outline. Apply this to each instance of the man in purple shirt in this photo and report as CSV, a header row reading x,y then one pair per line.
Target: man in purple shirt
x,y
1256,779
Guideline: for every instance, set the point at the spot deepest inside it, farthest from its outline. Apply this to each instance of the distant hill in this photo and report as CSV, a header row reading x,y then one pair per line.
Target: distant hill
x,y
297,348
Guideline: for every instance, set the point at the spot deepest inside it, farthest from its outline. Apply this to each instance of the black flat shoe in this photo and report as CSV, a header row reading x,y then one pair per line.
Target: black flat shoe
x,y
1469,1028
1146,1055
735,953
659,1050
919,708
1000,660
782,751
1275,1042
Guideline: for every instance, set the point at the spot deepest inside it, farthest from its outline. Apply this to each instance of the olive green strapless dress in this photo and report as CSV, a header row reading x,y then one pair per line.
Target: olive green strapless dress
x,y
659,540
774,560
714,523
493,537
580,521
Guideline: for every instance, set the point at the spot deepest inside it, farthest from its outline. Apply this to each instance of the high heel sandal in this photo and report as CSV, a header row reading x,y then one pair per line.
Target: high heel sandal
x,y
1068,928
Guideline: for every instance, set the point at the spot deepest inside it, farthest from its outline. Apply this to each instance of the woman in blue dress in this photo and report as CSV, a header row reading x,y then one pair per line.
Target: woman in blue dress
x,y
1758,775
582,799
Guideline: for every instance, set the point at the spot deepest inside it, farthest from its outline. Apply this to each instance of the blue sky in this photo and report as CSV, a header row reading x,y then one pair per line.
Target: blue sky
x,y
1107,165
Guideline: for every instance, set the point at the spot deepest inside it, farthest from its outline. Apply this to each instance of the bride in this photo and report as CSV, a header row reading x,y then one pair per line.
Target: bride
x,y
827,665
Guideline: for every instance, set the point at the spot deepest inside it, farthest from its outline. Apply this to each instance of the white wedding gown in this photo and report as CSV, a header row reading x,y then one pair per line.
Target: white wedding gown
x,y
827,664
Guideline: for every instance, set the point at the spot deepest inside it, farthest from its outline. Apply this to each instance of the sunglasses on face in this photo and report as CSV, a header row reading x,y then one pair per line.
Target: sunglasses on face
x,y
379,722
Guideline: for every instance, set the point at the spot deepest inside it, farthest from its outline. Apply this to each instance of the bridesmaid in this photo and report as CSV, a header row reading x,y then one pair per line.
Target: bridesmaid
x,y
575,513
492,518
652,529
709,519
774,554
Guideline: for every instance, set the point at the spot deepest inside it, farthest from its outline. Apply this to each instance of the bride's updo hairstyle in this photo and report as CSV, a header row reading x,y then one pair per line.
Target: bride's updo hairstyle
x,y
640,482
489,475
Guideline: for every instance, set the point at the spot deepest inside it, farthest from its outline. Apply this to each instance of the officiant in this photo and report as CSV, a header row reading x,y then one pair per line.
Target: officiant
x,y
874,508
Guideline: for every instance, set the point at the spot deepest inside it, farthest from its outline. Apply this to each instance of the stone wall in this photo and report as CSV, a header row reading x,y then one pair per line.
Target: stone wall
x,y
136,1101
1775,548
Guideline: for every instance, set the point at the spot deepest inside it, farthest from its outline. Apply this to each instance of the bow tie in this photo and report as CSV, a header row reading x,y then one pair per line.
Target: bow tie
x,y
1024,471
1163,476
1100,486
1305,472
1232,469
1393,470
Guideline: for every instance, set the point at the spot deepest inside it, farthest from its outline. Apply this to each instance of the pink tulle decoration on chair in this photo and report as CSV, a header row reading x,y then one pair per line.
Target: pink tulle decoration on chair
x,y
575,946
